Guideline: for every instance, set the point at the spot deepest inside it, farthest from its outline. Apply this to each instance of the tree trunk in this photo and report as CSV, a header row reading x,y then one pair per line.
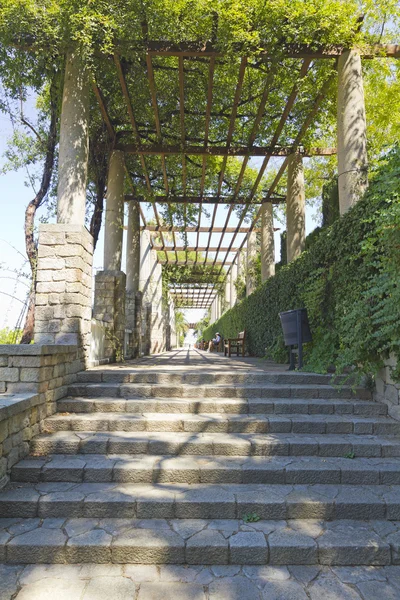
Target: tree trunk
x,y
30,243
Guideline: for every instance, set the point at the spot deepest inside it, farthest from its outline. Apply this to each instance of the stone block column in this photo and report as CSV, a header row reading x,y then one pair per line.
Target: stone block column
x,y
351,131
295,208
63,309
133,320
110,284
65,249
250,256
267,242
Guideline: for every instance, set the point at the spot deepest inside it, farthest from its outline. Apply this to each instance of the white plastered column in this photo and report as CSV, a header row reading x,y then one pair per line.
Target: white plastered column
x,y
74,143
351,131
133,248
267,242
295,208
114,218
250,257
233,277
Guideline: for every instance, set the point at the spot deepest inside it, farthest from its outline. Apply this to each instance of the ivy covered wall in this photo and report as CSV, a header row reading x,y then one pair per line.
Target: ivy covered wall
x,y
349,281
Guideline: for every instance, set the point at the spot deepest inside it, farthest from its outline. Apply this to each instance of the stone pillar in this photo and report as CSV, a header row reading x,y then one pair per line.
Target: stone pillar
x,y
153,302
132,305
65,249
114,218
63,302
267,242
295,208
74,143
228,292
233,277
251,254
133,248
110,284
351,131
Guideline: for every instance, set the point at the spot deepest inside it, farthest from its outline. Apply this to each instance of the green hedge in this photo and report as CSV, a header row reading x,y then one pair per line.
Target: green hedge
x,y
348,280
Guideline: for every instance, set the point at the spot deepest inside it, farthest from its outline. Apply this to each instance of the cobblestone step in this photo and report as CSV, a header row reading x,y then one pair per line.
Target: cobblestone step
x,y
95,390
200,501
220,444
204,377
207,469
199,542
225,423
362,408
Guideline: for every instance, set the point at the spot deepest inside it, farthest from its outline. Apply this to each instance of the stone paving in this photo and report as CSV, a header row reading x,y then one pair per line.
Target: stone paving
x,y
174,582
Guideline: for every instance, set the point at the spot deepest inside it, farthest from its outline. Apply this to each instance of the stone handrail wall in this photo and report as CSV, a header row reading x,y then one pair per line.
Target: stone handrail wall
x,y
32,379
387,390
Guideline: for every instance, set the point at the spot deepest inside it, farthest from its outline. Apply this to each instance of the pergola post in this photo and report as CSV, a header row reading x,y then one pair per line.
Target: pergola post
x,y
65,249
295,208
233,277
228,293
351,131
267,242
150,284
109,299
250,257
132,305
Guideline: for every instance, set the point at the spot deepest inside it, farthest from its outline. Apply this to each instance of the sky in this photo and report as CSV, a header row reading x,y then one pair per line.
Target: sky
x,y
14,197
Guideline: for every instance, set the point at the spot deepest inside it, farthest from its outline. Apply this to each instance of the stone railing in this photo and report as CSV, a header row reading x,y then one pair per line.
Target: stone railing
x,y
32,379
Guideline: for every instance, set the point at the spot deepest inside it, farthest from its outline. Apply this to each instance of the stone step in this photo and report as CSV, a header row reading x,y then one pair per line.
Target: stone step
x,y
224,423
362,408
225,376
160,443
200,501
218,542
133,390
94,468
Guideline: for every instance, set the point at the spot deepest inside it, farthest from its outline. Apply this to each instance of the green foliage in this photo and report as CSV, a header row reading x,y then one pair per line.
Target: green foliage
x,y
181,326
330,202
10,336
349,282
251,518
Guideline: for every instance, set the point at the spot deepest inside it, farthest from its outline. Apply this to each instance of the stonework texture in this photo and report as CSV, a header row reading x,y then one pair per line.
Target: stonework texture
x,y
387,390
33,378
64,286
109,307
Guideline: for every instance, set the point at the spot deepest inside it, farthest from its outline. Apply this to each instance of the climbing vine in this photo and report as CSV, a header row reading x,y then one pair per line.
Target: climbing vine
x,y
349,281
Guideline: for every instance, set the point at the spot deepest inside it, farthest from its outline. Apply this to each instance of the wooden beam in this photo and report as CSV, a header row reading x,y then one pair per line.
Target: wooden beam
x,y
192,249
182,262
103,110
224,151
196,49
166,228
204,199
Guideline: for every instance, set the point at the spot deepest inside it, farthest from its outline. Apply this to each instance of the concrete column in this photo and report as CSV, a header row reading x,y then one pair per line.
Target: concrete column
x,y
114,220
267,242
133,248
251,254
74,143
351,131
233,277
295,208
228,292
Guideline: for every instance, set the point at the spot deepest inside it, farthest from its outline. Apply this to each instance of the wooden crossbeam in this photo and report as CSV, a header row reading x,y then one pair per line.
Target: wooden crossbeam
x,y
204,200
192,249
182,262
171,229
253,151
196,49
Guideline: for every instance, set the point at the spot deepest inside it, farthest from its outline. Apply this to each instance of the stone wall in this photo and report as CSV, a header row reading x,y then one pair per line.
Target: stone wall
x,y
32,379
109,307
387,390
63,305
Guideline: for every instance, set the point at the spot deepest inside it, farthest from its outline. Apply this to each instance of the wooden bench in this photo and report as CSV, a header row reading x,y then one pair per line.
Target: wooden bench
x,y
238,343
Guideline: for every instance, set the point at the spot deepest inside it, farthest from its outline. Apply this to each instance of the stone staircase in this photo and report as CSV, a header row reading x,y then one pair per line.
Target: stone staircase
x,y
208,466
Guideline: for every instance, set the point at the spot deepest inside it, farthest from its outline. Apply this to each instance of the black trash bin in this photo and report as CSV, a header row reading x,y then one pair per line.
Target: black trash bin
x,y
296,332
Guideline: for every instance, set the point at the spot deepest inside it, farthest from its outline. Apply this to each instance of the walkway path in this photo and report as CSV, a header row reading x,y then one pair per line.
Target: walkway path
x,y
189,459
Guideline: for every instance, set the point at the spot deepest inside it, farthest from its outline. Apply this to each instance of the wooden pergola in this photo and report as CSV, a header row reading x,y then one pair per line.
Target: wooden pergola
x,y
244,205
